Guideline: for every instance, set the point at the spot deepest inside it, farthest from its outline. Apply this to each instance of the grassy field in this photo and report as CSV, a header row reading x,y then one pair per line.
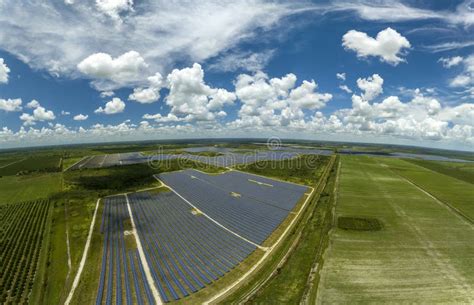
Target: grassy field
x,y
46,163
458,170
305,169
30,187
454,192
423,253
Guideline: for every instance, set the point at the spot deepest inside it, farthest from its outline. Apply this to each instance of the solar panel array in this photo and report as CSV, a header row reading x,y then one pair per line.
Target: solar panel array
x,y
185,250
249,205
109,160
228,158
122,278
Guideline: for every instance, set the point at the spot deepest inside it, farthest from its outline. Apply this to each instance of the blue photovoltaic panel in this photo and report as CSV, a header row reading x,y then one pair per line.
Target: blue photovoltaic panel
x,y
249,209
185,251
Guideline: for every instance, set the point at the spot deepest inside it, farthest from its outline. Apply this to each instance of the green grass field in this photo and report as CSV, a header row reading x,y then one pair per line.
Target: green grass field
x,y
458,170
45,163
30,187
423,254
453,191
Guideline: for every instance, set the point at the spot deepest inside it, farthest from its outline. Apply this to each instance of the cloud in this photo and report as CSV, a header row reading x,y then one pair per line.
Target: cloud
x,y
372,86
397,11
150,94
33,104
116,105
420,119
388,45
4,70
345,88
113,8
80,117
466,78
65,112
247,61
190,97
125,69
275,101
39,114
64,35
448,46
341,76
449,62
10,105
105,94
162,119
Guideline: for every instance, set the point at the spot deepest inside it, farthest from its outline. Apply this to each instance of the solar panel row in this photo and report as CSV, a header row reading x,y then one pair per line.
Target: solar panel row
x,y
253,216
115,264
185,251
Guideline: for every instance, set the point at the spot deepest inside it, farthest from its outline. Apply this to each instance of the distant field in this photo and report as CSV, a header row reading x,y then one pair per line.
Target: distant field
x,y
31,164
30,187
305,169
455,192
423,253
458,170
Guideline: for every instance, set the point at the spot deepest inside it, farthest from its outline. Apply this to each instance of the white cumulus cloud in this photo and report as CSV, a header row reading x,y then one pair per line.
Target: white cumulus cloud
x,y
125,69
190,97
80,117
10,105
4,70
150,94
116,105
388,45
33,104
372,86
39,114
466,78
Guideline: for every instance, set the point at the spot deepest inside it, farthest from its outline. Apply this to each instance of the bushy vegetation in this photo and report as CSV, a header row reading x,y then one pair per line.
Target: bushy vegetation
x,y
358,224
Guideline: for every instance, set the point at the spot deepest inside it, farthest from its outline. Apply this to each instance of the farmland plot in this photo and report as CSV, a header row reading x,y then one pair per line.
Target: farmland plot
x,y
455,192
422,254
22,231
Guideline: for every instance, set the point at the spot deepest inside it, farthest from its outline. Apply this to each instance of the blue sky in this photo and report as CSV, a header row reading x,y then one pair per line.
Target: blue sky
x,y
249,68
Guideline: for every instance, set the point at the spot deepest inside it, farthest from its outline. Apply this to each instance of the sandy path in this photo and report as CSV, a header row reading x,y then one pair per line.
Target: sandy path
x,y
12,163
84,257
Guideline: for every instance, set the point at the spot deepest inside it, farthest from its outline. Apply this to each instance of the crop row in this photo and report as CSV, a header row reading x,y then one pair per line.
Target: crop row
x,y
22,229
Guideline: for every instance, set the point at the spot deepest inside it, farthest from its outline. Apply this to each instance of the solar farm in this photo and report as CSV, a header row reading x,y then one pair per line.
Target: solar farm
x,y
235,224
191,235
226,158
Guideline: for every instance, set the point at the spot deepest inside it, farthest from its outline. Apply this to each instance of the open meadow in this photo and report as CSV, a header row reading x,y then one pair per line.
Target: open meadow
x,y
423,252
